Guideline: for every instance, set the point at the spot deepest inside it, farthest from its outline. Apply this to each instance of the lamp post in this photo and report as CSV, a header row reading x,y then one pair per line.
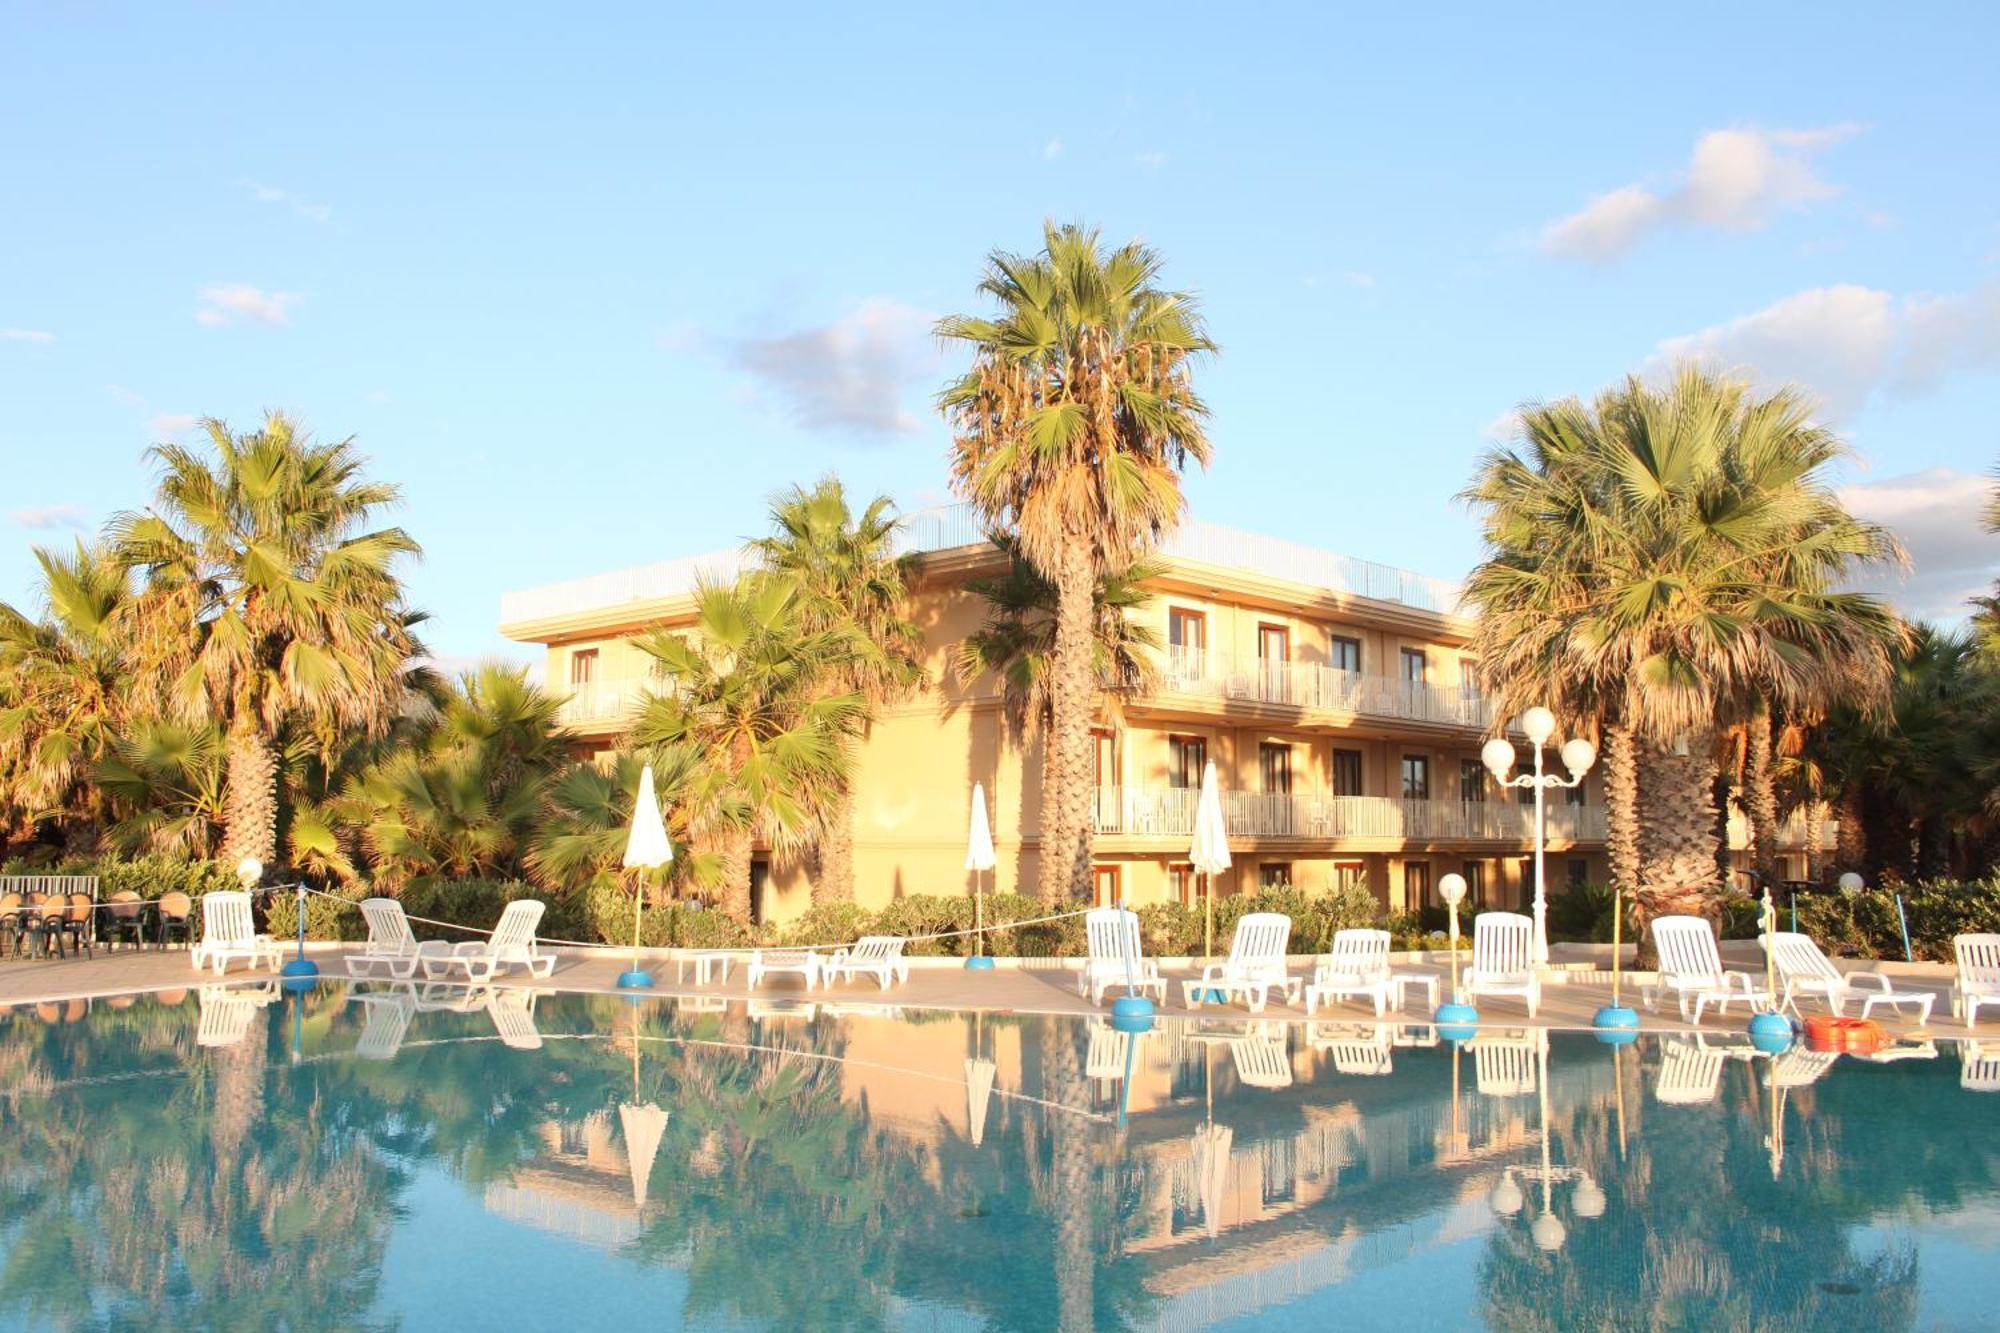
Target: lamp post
x,y
1508,1199
1454,1013
1578,754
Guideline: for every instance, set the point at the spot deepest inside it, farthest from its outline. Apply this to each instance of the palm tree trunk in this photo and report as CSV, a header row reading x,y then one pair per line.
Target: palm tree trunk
x,y
1066,840
1621,794
1069,1133
1677,841
250,805
1760,801
1815,853
833,880
1850,839
735,858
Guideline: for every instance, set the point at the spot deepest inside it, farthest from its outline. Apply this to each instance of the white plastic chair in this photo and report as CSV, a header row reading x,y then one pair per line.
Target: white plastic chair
x,y
1358,965
1800,1067
226,1015
1507,1066
1692,969
1255,966
802,961
388,1018
1804,969
1113,935
1261,1060
1502,947
1690,1072
878,955
1978,980
228,932
1356,1049
1978,1067
391,946
513,1014
512,944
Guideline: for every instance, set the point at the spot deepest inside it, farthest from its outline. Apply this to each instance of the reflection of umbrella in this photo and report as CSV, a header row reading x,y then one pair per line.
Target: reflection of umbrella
x,y
978,1090
646,848
1209,853
979,858
1211,1170
643,1126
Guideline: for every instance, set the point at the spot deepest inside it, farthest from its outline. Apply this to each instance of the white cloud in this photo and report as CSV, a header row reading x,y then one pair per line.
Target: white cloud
x,y
1937,514
273,194
1152,160
1052,150
1849,342
48,516
854,375
26,336
172,423
1503,429
1736,180
225,302
124,395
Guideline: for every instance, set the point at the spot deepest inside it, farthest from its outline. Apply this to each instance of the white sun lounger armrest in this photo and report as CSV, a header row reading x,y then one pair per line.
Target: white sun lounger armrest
x,y
1886,982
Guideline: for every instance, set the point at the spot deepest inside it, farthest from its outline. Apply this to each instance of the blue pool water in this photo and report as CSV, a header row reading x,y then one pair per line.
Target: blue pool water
x,y
242,1160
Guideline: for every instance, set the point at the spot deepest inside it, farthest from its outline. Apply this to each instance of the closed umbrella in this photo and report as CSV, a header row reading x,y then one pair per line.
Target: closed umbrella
x,y
643,1125
1211,1170
646,848
1209,853
978,1091
979,859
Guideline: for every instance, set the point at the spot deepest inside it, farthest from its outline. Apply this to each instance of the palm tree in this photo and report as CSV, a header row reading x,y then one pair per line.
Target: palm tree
x,y
1986,619
1668,561
66,689
165,783
745,684
269,602
849,575
1070,431
580,838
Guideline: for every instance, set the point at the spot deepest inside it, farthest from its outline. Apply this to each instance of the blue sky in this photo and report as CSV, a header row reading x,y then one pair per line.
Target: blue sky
x,y
591,286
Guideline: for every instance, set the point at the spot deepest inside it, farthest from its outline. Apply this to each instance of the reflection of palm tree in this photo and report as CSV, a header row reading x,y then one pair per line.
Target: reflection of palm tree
x,y
1071,1177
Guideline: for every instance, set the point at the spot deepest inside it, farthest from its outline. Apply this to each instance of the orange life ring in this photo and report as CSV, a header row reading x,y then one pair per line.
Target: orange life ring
x,y
1860,1036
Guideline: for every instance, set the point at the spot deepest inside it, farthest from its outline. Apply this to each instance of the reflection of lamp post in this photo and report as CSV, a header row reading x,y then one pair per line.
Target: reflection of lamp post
x,y
1578,754
1455,1011
1508,1199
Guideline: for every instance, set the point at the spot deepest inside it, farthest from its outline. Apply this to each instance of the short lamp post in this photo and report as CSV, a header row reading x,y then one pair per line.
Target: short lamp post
x,y
1508,1199
1455,1013
1578,754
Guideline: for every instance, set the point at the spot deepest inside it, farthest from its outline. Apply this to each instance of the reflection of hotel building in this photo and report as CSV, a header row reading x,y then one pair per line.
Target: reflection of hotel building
x,y
1336,698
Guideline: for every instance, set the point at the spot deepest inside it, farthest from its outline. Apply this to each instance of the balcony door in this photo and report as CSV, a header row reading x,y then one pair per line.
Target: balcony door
x,y
1187,645
1106,886
1416,777
1274,765
1416,885
1186,757
1274,656
1347,772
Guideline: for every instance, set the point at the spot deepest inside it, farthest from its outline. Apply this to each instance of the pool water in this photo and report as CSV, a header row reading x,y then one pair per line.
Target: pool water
x,y
243,1159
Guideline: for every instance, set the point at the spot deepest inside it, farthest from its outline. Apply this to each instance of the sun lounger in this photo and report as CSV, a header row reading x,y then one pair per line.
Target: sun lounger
x,y
1502,947
1358,966
392,949
1804,970
1691,968
1116,958
512,944
1255,966
228,933
879,956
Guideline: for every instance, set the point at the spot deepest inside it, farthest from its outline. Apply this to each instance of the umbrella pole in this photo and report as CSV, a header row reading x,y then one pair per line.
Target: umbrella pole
x,y
1208,918
979,913
638,912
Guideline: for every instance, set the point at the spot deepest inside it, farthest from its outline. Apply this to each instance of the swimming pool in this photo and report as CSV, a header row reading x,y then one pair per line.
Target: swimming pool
x,y
242,1159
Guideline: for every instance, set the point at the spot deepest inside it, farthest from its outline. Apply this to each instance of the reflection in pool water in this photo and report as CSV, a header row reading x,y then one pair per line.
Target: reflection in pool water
x,y
367,1158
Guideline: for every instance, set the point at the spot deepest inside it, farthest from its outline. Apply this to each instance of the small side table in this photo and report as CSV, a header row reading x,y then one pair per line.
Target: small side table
x,y
704,961
1402,981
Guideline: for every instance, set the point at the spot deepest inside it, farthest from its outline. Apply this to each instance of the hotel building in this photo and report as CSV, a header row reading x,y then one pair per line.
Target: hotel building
x,y
1337,698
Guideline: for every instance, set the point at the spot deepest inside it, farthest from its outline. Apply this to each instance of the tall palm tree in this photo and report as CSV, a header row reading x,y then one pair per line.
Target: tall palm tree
x,y
849,575
271,604
580,839
165,783
745,684
66,689
1666,560
1070,431
1986,616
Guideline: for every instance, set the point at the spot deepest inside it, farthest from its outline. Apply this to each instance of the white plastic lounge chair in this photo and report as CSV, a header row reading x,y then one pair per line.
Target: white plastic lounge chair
x,y
392,948
226,1014
1907,1048
880,956
512,944
1109,1049
513,1014
1506,1066
1978,980
1357,1049
1800,1067
1690,1072
1692,969
802,961
767,1010
388,1018
450,997
1502,945
1113,936
1358,965
1255,966
1262,1061
1978,1067
228,932
1804,969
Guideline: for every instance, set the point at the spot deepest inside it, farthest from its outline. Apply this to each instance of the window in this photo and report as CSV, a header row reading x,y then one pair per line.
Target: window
x,y
1416,667
1274,762
1345,654
1186,756
1471,780
1106,886
1187,631
1184,885
1417,884
1468,676
1347,772
1350,875
1274,643
1416,777
1579,872
583,666
1273,874
1108,766
1475,882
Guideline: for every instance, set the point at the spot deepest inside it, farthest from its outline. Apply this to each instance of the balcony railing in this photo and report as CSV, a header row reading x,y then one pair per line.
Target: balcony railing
x,y
600,701
1795,832
1308,685
1169,812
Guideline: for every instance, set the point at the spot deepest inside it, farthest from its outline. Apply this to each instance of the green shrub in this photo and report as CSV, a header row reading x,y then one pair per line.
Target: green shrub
x,y
1581,912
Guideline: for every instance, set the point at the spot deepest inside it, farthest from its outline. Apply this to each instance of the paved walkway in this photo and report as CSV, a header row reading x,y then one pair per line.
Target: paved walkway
x,y
1031,986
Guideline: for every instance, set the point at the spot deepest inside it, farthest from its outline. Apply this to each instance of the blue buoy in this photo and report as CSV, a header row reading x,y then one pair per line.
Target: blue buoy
x,y
299,968
1132,1006
1457,1021
635,980
979,962
1616,1036
298,985
1134,1023
1615,1016
1770,1032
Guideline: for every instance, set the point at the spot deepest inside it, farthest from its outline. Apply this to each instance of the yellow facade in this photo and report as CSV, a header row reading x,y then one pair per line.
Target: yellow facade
x,y
1345,729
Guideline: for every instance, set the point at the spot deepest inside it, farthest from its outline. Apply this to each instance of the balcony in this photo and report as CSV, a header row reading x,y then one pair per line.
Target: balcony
x,y
602,704
1306,685
1168,812
1795,832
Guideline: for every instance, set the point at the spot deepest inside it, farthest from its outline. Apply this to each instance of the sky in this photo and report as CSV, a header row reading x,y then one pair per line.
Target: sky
x,y
591,285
